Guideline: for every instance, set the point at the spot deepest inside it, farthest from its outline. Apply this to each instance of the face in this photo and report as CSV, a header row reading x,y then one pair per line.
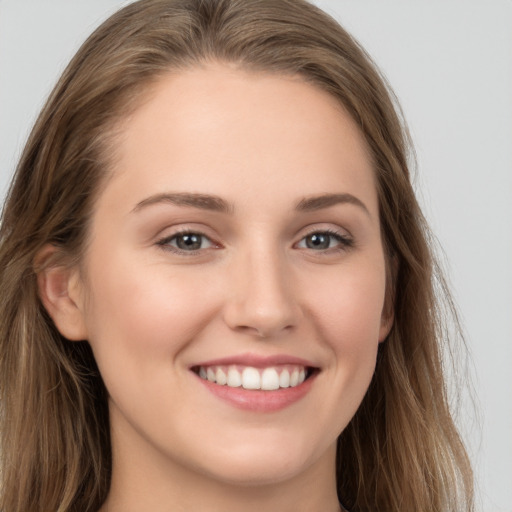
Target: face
x,y
235,277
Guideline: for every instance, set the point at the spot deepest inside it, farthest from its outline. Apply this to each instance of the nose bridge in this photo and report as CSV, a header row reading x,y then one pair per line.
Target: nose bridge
x,y
262,300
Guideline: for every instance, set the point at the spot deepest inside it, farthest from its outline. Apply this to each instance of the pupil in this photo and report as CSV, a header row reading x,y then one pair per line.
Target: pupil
x,y
318,241
189,242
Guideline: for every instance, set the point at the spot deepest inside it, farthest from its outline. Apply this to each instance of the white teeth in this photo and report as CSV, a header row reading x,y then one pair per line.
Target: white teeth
x,y
251,378
294,378
234,377
210,374
284,379
221,377
267,379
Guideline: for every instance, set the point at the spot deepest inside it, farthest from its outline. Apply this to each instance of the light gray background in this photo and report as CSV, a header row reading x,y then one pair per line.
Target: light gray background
x,y
450,63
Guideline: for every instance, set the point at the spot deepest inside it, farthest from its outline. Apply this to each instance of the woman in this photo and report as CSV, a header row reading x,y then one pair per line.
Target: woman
x,y
217,288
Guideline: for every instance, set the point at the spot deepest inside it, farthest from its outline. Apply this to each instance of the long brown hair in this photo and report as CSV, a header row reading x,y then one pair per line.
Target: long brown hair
x,y
401,451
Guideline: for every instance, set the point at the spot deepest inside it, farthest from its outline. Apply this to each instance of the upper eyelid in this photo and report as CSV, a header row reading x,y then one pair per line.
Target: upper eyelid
x,y
172,231
333,230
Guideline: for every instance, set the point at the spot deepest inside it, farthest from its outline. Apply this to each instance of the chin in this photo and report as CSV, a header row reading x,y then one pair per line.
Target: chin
x,y
255,473
260,464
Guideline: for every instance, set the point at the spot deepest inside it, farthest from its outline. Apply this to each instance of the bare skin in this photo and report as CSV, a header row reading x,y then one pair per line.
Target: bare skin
x,y
241,221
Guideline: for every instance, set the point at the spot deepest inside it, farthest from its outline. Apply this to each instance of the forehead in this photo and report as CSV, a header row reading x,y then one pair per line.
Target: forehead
x,y
208,127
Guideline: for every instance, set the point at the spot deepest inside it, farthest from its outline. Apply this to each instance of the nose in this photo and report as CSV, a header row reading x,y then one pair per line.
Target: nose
x,y
261,299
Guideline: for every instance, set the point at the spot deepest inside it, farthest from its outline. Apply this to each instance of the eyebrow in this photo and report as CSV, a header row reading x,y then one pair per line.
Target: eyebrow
x,y
310,204
201,201
217,204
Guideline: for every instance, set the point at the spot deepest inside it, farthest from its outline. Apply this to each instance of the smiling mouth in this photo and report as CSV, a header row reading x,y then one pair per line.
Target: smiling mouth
x,y
271,378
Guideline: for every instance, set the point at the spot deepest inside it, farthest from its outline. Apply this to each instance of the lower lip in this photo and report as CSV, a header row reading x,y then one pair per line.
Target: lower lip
x,y
259,400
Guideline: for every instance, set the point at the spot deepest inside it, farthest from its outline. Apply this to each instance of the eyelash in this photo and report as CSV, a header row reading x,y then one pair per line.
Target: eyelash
x,y
165,242
344,242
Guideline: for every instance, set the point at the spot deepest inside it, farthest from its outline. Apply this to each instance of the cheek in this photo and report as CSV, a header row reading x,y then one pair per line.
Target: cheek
x,y
141,318
145,310
349,318
350,313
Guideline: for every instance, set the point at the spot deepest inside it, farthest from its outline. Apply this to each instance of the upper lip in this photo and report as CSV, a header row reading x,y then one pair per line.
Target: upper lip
x,y
256,361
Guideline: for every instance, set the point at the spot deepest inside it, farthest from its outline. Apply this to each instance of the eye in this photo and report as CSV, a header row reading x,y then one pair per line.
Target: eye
x,y
324,240
186,242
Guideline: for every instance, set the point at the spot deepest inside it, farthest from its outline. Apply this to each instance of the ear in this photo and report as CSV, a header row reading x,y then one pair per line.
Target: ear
x,y
61,292
386,322
388,311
